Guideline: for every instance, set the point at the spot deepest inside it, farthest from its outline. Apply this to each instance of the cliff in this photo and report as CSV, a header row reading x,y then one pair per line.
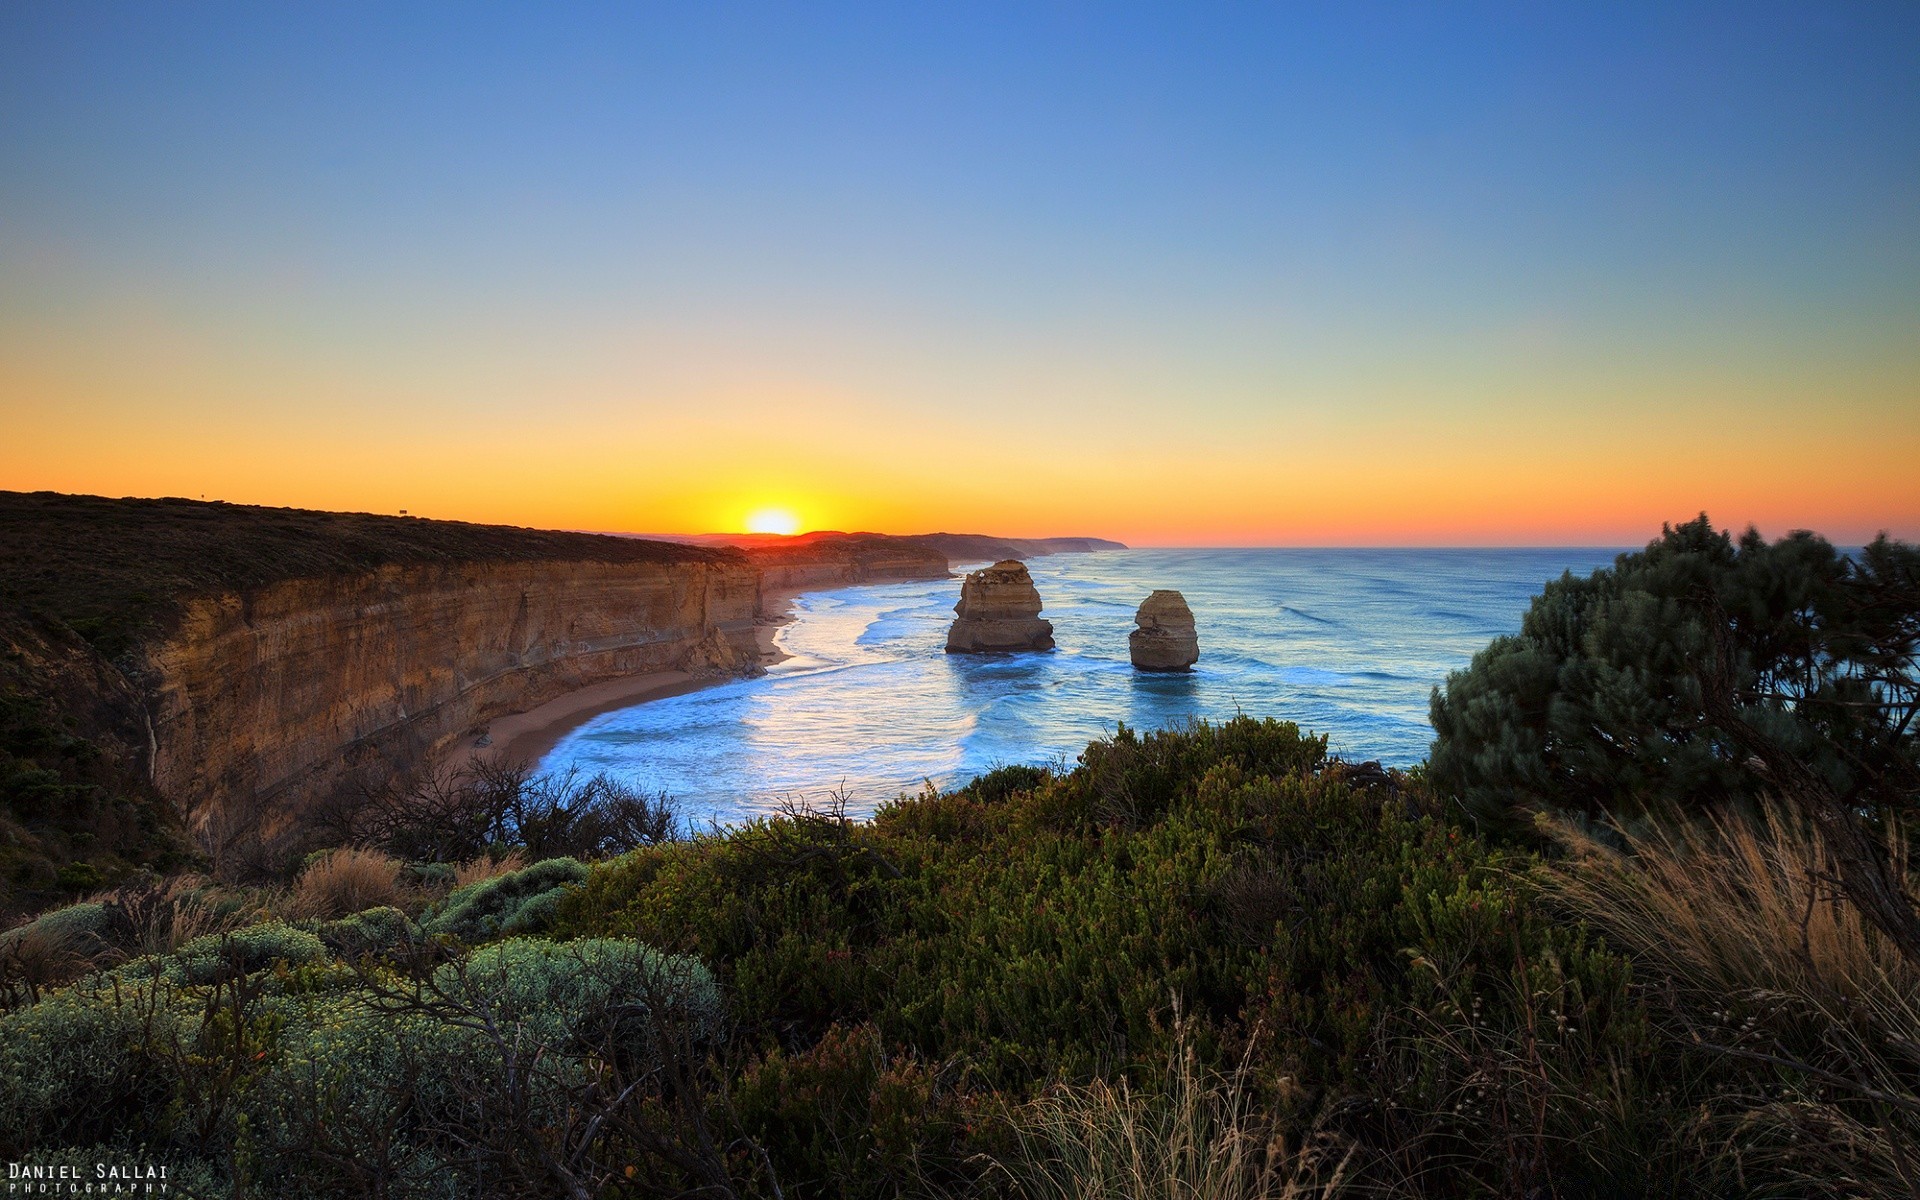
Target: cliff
x,y
840,559
975,547
263,703
231,666
248,662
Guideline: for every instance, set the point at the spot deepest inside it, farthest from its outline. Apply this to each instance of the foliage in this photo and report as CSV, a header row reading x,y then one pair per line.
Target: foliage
x,y
1651,685
488,808
76,922
1196,1135
1208,958
240,952
986,942
518,902
341,882
396,1080
374,930
1812,1015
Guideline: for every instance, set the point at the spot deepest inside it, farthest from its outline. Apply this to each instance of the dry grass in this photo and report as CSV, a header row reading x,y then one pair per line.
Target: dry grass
x,y
33,960
160,916
484,867
1774,970
1199,1137
345,882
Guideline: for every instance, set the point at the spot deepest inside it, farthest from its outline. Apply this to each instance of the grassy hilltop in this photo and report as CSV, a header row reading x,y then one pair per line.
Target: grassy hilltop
x,y
1205,962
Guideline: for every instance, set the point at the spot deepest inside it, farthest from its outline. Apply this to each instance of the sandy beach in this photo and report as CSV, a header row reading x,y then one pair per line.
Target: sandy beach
x,y
528,736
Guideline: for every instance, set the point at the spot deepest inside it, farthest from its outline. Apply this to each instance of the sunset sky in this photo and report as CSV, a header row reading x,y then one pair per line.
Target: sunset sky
x,y
1174,274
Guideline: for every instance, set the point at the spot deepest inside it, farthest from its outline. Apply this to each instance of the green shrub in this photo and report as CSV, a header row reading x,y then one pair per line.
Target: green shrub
x,y
429,876
522,901
79,877
216,956
1002,782
321,1079
861,1116
356,1067
75,1068
368,932
79,925
1054,931
1651,684
585,989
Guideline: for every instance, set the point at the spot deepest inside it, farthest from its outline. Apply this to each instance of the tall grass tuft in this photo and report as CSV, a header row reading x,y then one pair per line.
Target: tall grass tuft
x,y
486,866
347,881
1814,1016
1200,1136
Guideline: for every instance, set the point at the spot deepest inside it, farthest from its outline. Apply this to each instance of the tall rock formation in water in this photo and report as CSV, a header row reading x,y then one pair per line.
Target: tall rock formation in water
x,y
1166,640
999,611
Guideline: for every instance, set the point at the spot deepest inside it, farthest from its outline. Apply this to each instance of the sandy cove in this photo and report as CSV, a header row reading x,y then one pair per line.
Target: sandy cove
x,y
528,736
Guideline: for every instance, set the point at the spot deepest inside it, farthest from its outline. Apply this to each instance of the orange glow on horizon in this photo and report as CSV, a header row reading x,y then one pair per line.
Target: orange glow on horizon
x,y
1494,469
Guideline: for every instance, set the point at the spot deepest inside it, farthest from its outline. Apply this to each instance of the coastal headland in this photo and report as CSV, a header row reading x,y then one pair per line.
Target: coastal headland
x,y
235,666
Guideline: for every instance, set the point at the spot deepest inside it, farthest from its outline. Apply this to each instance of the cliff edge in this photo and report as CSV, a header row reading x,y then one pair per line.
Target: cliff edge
x,y
245,663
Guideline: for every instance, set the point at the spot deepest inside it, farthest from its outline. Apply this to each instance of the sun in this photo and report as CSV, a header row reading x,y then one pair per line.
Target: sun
x,y
773,520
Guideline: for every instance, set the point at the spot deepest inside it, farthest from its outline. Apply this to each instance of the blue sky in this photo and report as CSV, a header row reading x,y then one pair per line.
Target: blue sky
x,y
1195,245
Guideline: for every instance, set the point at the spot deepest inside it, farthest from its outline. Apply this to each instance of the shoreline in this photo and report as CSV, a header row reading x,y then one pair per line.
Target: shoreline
x,y
531,735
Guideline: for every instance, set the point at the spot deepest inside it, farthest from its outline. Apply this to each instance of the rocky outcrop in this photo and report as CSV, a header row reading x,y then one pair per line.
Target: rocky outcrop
x,y
999,611
265,702
1165,639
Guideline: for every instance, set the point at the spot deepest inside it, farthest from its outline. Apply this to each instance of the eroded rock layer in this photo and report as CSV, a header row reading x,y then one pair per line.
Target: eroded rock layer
x,y
266,701
1165,639
999,612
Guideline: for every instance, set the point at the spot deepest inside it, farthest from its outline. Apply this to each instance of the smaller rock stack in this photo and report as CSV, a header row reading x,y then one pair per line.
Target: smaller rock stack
x,y
1166,640
999,612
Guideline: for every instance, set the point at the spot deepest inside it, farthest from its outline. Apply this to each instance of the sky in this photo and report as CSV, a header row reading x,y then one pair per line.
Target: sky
x,y
1177,274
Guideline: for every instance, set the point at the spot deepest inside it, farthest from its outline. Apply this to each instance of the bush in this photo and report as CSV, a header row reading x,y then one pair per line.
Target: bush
x,y
462,814
371,932
321,1080
961,945
346,881
78,877
78,925
1652,685
1002,782
586,991
518,902
74,1069
217,956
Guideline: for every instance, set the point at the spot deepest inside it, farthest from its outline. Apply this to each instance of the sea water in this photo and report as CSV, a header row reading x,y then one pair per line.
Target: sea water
x,y
1348,643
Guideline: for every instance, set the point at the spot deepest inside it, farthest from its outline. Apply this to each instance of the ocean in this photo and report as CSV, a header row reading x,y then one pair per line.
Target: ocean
x,y
1348,643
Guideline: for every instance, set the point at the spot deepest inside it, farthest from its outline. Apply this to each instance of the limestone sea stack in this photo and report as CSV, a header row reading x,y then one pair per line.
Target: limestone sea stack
x,y
1166,640
999,612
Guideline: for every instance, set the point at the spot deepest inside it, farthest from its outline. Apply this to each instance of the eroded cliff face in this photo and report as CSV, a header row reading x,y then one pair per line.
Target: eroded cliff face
x,y
844,561
264,704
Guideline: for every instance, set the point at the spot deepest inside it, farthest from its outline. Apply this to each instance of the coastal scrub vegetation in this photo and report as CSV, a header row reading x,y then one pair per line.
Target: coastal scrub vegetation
x,y
1202,962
